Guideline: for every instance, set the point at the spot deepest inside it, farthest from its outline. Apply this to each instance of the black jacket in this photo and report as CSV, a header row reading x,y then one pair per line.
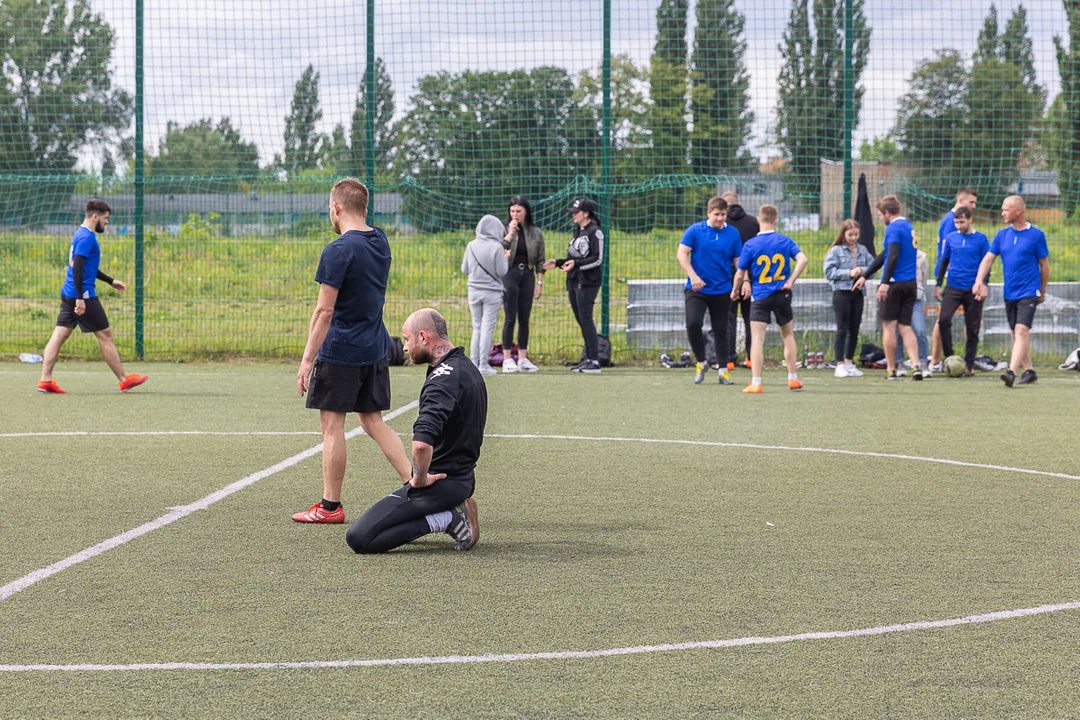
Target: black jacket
x,y
587,251
453,413
747,225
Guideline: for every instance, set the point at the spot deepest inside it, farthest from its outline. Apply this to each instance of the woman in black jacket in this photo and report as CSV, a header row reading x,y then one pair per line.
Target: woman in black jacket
x,y
584,268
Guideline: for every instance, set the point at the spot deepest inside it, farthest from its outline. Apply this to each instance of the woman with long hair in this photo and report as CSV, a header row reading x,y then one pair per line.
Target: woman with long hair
x,y
523,281
845,264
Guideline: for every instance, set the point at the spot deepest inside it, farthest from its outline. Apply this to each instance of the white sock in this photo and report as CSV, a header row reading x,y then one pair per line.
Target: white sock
x,y
439,521
793,376
755,381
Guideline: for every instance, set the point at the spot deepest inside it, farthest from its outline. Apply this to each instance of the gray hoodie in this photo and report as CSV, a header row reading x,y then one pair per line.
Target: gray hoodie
x,y
484,261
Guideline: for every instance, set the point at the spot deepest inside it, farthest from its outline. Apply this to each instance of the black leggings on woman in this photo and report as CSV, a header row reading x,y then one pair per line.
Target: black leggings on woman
x,y
848,307
582,302
519,284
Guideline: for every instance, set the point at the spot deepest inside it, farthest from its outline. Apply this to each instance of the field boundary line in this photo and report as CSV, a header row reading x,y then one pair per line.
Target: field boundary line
x,y
135,433
560,655
176,513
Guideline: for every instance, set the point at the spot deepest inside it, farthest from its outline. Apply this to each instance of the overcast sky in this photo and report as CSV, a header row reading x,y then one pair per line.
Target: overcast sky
x,y
241,58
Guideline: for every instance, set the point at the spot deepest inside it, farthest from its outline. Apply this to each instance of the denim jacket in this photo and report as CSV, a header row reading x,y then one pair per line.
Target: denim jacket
x,y
839,261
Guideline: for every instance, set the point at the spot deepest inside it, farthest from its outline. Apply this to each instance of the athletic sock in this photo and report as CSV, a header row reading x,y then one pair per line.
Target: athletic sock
x,y
755,381
329,506
438,522
793,376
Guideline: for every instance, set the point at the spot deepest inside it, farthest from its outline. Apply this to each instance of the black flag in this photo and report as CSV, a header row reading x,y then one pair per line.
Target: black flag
x,y
864,216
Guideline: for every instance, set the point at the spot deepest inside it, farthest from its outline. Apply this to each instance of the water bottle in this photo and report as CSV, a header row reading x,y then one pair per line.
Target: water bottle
x,y
30,358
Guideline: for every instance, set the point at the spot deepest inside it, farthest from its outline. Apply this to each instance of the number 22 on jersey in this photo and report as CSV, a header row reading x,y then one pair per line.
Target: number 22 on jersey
x,y
767,264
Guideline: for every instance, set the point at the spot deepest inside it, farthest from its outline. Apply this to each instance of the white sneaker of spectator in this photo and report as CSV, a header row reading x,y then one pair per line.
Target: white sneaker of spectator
x,y
853,370
841,371
526,365
509,365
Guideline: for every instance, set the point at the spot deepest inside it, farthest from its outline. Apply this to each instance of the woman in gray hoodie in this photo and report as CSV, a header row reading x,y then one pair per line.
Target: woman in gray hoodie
x,y
485,263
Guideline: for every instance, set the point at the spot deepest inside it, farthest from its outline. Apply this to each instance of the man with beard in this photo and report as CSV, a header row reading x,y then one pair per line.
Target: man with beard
x,y
447,436
79,304
344,368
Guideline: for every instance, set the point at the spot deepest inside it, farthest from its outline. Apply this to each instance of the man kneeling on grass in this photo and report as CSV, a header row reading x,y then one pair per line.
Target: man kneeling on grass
x,y
447,437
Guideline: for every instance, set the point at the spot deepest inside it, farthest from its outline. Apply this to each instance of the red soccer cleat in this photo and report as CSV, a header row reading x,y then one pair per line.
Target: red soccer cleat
x,y
132,381
50,386
794,384
318,514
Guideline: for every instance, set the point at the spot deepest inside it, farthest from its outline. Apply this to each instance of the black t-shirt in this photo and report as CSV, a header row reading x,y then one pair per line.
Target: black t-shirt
x,y
521,255
358,265
453,413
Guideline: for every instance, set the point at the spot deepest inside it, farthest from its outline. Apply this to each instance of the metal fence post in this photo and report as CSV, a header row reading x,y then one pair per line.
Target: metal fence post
x,y
139,180
369,106
849,100
605,176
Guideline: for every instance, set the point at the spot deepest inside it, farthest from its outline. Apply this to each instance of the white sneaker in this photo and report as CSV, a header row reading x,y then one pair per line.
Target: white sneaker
x,y
486,369
937,367
853,371
841,371
509,365
526,365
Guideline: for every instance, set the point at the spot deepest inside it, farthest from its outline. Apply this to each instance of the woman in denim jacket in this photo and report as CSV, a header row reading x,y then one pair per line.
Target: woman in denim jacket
x,y
845,263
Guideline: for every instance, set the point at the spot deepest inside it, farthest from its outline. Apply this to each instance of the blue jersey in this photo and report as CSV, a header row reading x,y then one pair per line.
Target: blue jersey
x,y
713,253
1020,252
900,232
83,244
945,229
358,265
769,259
964,253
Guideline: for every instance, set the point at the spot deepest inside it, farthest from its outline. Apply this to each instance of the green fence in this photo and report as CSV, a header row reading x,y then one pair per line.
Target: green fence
x,y
215,130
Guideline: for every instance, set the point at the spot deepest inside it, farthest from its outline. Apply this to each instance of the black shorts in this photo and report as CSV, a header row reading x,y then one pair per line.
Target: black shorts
x,y
779,304
345,389
1021,312
93,320
900,303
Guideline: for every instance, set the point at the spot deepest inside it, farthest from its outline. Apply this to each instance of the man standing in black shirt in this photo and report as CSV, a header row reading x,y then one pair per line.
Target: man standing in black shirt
x,y
748,228
447,436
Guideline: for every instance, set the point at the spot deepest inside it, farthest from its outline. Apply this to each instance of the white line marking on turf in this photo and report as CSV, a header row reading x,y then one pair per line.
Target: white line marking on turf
x,y
178,513
561,655
133,433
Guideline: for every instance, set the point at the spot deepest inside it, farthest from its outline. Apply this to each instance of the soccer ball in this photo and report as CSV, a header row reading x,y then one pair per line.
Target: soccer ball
x,y
954,366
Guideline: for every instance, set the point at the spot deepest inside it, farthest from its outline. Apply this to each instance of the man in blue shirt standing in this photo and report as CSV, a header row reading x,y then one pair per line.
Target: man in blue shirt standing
x,y
79,304
1025,260
707,253
344,368
965,198
961,254
898,290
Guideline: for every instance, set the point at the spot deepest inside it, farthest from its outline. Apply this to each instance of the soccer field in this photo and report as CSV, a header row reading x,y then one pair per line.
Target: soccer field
x,y
649,548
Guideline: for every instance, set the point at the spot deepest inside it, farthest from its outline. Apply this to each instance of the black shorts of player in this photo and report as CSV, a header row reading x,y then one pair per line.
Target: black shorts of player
x,y
779,304
1021,312
900,304
93,320
345,389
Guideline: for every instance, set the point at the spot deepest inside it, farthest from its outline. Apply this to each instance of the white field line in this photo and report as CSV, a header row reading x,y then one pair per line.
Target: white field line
x,y
175,514
561,655
135,433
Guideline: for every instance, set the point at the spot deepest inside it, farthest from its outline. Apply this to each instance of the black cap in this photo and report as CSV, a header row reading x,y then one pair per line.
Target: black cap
x,y
582,205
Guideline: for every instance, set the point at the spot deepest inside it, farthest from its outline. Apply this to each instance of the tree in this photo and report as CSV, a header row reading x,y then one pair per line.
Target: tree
x,y
668,88
202,157
880,149
988,45
720,90
385,129
1016,48
810,107
305,147
1065,114
56,97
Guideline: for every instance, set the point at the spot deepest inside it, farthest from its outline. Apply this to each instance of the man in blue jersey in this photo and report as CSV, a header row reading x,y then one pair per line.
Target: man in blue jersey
x,y
965,198
769,265
1025,260
898,290
707,253
961,254
79,304
344,368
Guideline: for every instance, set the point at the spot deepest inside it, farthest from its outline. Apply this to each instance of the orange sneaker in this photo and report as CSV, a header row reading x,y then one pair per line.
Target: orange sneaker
x,y
752,389
730,366
745,364
132,381
318,514
794,384
50,387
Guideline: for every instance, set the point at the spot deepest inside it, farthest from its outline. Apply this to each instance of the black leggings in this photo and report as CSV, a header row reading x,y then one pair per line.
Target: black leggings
x,y
398,518
517,304
696,304
847,306
951,299
582,302
743,306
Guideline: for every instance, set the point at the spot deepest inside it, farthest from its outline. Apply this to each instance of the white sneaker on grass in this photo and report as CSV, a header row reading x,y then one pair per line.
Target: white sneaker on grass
x,y
526,365
841,371
510,365
486,369
853,371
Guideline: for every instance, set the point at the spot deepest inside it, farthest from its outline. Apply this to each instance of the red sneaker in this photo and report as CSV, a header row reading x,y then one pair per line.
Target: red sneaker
x,y
794,384
50,387
745,364
132,381
731,367
318,514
